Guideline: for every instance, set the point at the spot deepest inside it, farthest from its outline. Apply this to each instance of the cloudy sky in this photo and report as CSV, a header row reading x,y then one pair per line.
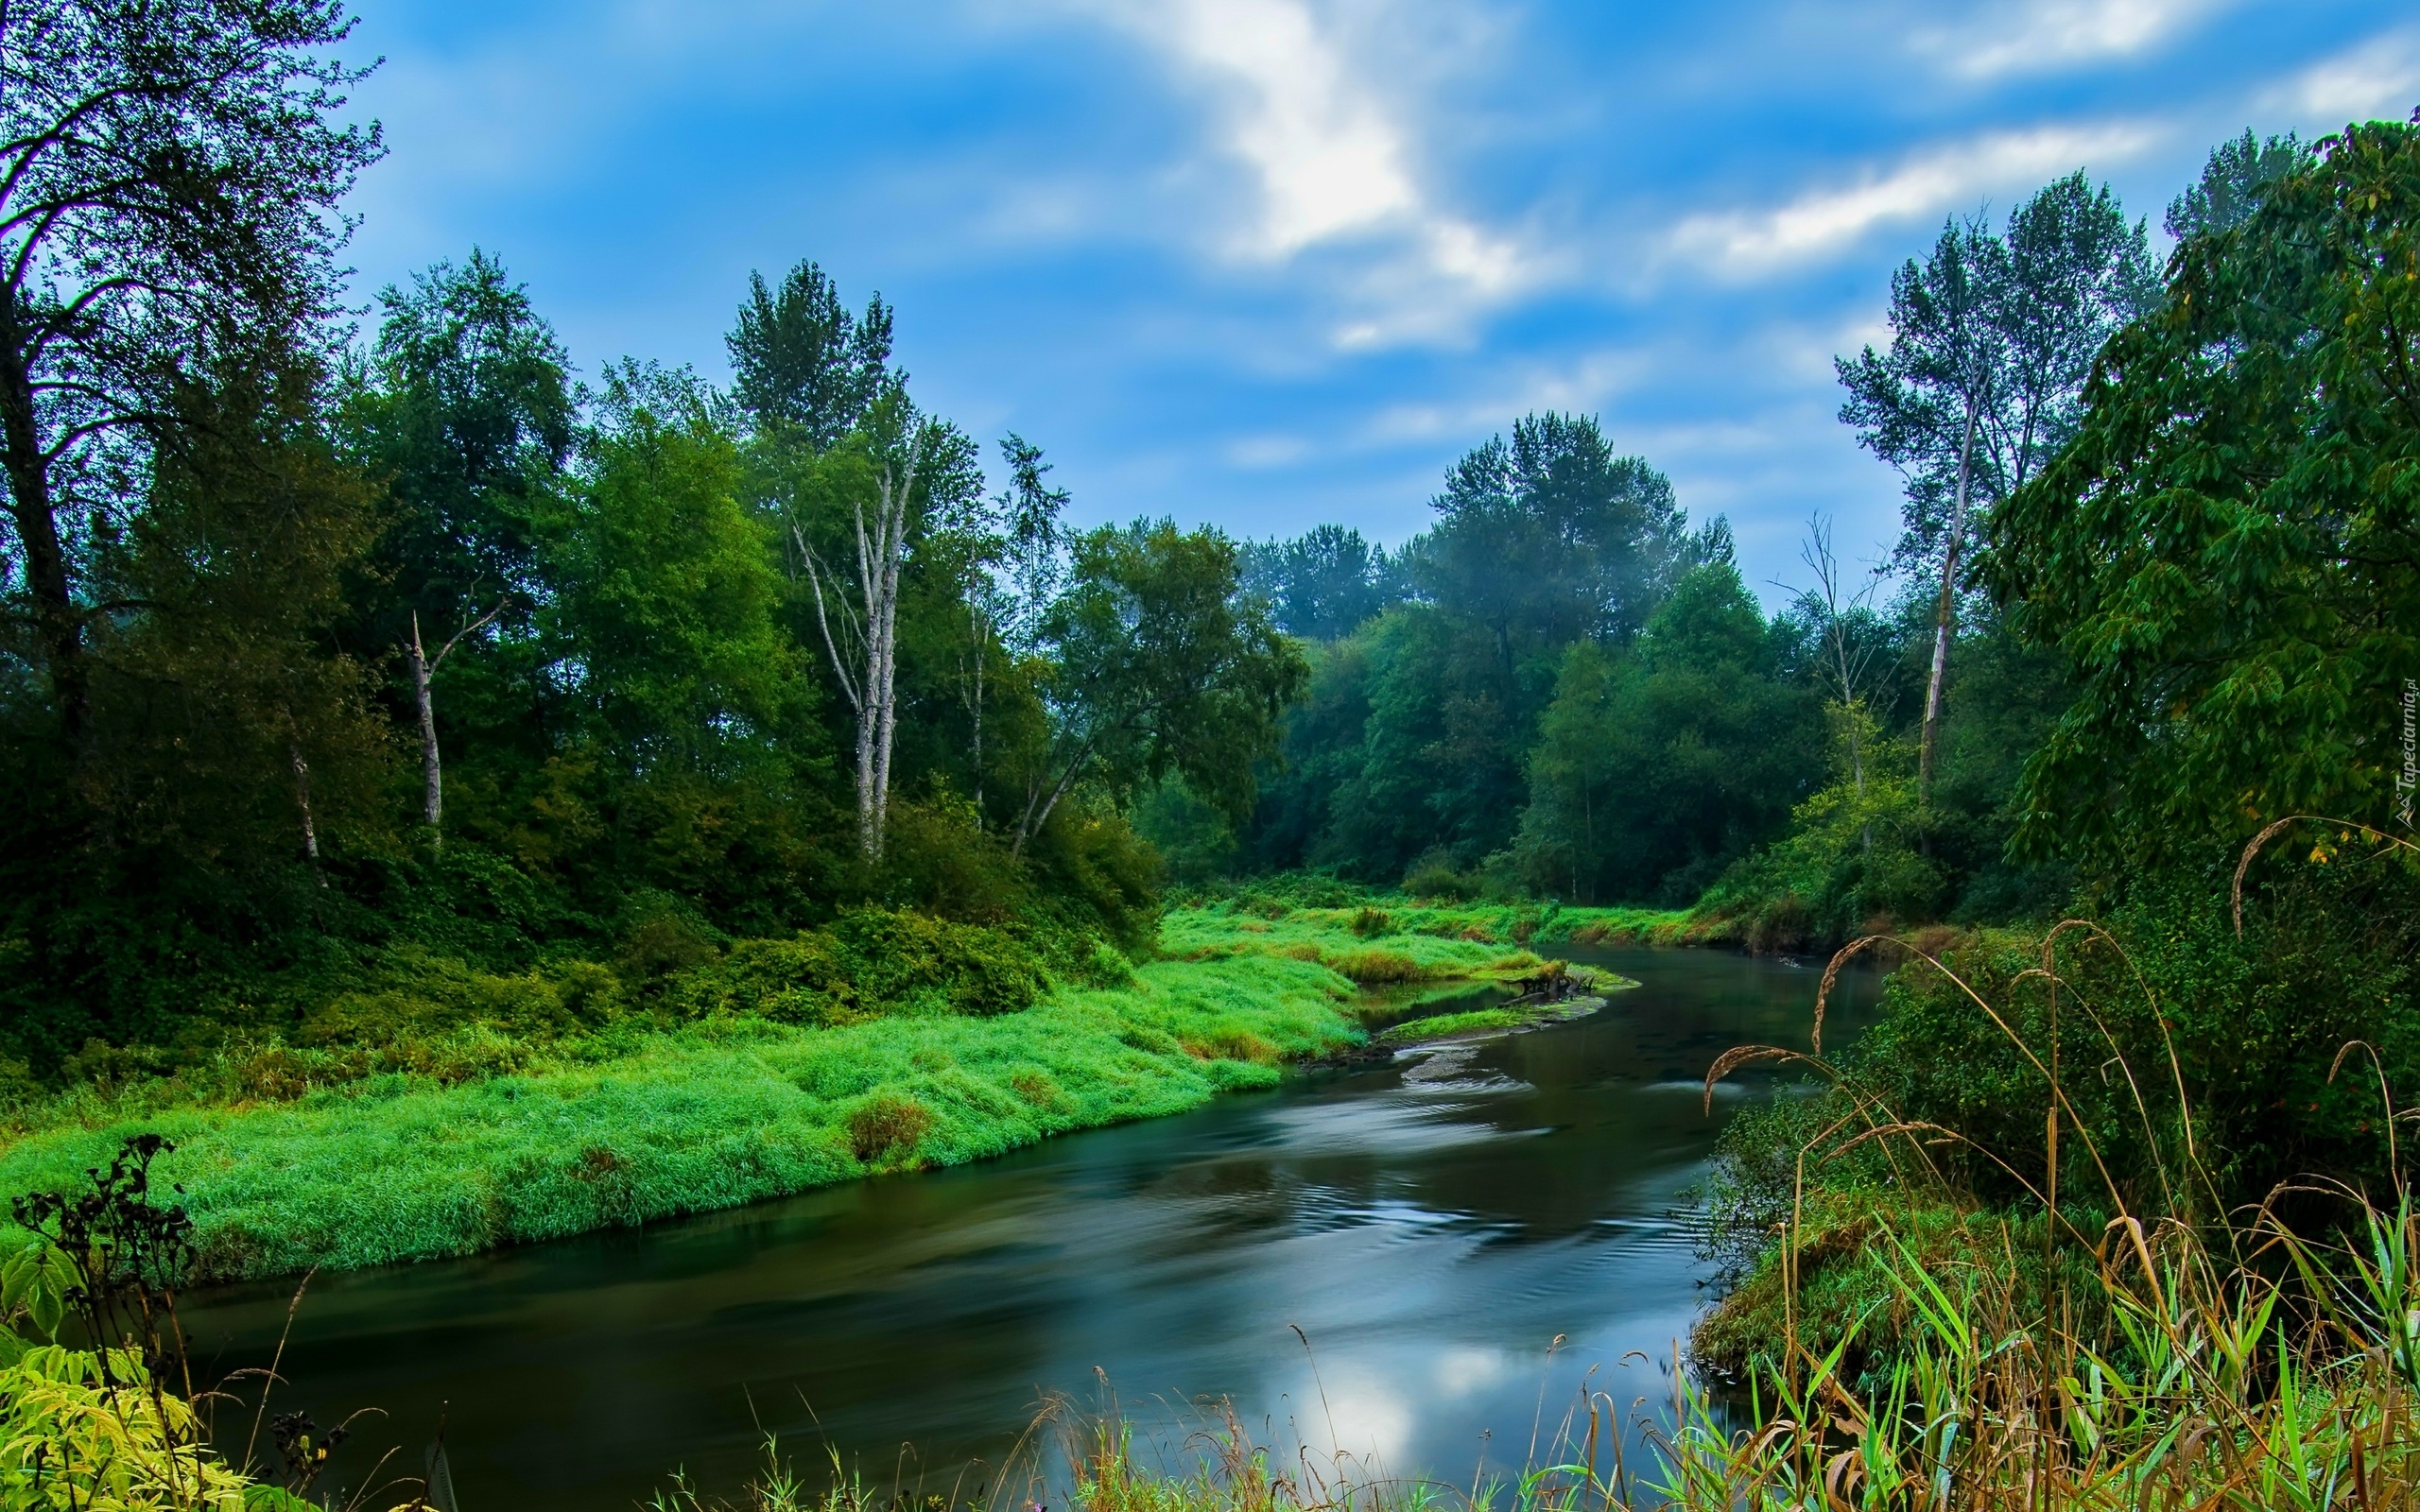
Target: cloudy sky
x,y
1266,262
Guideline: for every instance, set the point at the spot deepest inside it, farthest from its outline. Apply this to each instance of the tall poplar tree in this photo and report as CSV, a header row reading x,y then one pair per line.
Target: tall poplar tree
x,y
1992,337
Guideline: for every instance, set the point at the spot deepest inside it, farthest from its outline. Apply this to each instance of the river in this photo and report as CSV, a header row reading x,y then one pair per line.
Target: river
x,y
1430,1238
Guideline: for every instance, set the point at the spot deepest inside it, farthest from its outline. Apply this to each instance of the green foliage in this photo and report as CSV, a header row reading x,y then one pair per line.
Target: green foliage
x,y
1324,583
1852,862
1433,877
1550,539
2233,184
1992,337
637,750
2202,1075
2222,558
910,958
2210,615
1197,842
35,1281
1419,725
217,725
171,183
666,596
801,365
1162,666
1654,771
466,410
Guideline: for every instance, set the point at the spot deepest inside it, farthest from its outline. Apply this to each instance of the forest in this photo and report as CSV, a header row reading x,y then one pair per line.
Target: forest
x,y
332,657
409,722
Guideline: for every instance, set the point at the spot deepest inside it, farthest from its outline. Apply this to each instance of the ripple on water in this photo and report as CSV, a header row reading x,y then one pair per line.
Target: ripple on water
x,y
1446,1070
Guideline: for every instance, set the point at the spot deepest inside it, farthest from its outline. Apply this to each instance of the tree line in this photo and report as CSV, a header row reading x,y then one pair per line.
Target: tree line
x,y
1561,691
316,645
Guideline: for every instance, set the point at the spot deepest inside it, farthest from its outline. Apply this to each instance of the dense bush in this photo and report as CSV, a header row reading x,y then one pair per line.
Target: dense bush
x,y
2200,1070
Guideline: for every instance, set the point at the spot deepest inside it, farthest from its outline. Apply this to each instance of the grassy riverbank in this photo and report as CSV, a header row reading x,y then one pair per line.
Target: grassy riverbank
x,y
510,1127
1376,937
641,1123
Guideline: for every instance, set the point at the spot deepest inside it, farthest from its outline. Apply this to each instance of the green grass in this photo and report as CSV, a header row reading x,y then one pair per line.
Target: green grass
x,y
1377,944
1446,1025
645,1123
482,1126
1388,937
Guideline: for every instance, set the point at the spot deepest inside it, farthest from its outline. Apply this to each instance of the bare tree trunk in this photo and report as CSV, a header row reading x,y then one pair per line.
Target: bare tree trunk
x,y
431,769
979,627
56,620
871,694
1850,669
896,509
303,801
851,688
1944,617
869,838
1851,711
425,667
1034,819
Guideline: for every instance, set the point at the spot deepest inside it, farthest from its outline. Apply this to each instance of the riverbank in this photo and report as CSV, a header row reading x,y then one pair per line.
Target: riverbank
x,y
641,1120
1377,937
641,1124
577,1375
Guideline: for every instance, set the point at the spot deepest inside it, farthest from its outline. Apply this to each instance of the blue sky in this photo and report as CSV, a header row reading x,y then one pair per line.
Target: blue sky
x,y
1267,263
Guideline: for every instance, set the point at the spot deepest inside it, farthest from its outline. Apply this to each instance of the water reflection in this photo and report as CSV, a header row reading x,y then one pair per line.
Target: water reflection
x,y
1431,1239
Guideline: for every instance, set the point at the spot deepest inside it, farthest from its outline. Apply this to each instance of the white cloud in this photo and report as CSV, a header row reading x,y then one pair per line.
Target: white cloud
x,y
1332,161
1584,385
1827,221
1258,452
2379,79
1327,158
2041,35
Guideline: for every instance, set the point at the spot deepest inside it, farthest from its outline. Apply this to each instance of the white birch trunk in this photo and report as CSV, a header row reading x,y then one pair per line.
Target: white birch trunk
x,y
1946,616
303,801
424,668
431,768
880,553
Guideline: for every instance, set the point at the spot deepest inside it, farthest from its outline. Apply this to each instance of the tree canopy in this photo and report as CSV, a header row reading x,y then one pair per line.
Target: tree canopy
x,y
2225,554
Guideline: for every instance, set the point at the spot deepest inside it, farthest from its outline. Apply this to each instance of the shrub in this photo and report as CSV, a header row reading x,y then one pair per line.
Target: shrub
x,y
1433,877
662,945
1370,967
1372,921
411,994
898,958
871,961
887,1125
800,980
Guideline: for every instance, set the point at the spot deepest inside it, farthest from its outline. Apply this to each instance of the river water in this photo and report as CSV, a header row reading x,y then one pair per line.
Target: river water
x,y
1430,1237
